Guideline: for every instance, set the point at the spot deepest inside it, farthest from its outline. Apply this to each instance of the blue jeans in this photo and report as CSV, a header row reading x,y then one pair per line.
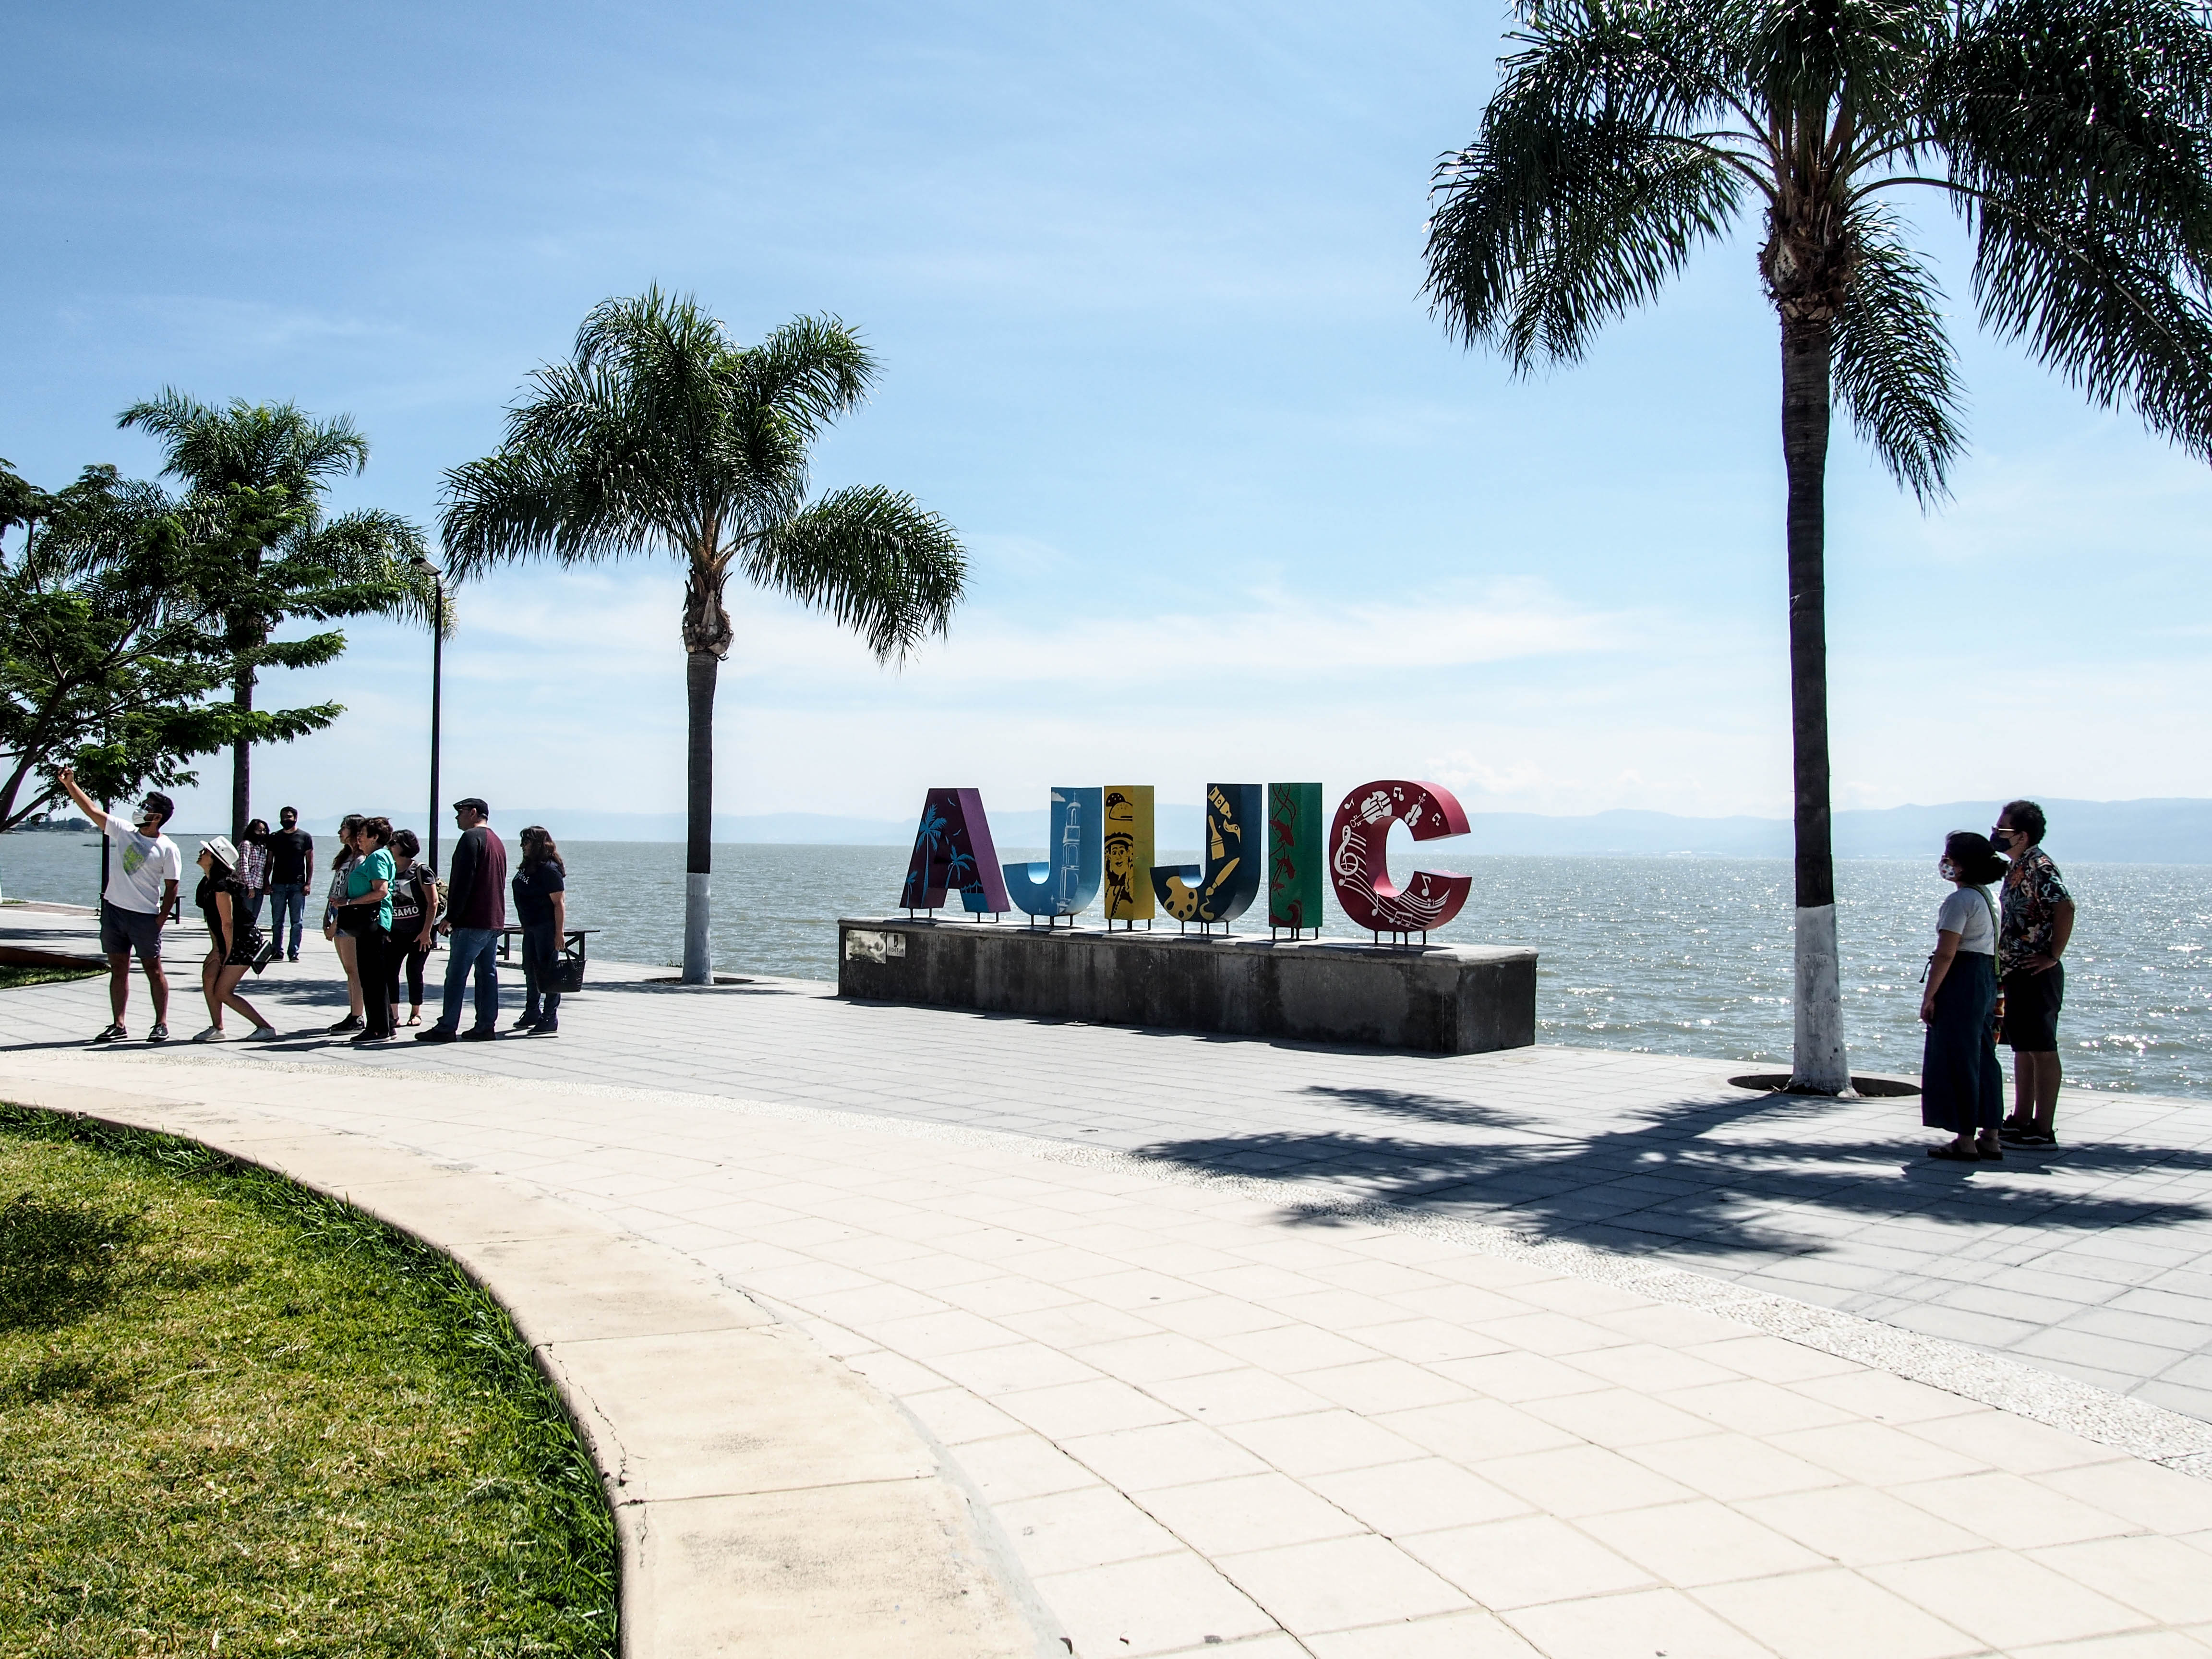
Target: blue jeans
x,y
466,949
288,899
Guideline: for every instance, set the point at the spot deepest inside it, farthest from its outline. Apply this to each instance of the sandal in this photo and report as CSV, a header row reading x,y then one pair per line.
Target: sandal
x,y
1950,1154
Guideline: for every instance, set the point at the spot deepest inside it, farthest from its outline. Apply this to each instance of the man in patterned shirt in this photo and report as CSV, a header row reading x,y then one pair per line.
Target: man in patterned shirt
x,y
2038,921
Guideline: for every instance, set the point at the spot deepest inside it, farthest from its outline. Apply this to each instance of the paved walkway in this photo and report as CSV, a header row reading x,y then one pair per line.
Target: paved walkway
x,y
2094,1262
1202,1423
1216,1396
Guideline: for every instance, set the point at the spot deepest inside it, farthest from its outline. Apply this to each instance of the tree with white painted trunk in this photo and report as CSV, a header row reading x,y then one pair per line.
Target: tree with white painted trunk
x,y
662,433
2072,136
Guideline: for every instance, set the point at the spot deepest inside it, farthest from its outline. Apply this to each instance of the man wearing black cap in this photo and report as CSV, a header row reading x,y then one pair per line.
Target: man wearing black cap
x,y
476,909
140,895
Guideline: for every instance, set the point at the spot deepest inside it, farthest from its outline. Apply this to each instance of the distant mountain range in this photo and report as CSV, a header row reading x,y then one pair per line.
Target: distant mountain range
x,y
2162,831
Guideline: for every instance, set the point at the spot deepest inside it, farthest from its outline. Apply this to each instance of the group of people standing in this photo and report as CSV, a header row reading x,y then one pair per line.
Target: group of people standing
x,y
1996,974
383,912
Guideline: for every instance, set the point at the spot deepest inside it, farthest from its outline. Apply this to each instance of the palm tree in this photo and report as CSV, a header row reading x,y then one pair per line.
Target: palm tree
x,y
254,477
2072,136
662,433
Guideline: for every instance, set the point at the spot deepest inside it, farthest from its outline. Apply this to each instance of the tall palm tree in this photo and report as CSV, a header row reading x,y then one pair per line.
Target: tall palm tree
x,y
662,433
254,475
2072,136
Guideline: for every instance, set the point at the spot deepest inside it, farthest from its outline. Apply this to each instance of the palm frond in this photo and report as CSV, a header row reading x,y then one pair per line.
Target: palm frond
x,y
212,448
1586,190
2079,136
872,560
1894,368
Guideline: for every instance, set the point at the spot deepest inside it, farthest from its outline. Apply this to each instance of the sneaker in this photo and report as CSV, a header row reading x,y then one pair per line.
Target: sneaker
x,y
436,1034
2035,1138
114,1033
158,1034
480,1033
213,1034
545,1028
350,1022
525,1023
262,1034
367,1037
295,957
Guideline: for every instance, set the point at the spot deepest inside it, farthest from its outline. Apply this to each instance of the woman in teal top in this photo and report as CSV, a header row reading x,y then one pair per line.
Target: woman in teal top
x,y
364,916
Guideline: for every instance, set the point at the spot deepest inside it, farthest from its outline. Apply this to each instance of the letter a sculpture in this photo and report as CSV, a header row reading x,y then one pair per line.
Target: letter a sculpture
x,y
952,849
1064,884
1358,863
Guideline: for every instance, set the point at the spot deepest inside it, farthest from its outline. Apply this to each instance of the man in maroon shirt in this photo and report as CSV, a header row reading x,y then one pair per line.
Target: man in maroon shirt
x,y
476,909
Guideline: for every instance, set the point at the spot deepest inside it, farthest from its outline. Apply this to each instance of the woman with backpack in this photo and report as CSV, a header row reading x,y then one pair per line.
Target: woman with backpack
x,y
1961,1089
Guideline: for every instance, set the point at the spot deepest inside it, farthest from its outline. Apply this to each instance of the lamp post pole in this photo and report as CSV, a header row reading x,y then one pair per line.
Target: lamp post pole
x,y
437,698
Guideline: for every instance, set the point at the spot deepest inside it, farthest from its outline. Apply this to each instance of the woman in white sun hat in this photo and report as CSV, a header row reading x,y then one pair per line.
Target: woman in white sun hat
x,y
222,900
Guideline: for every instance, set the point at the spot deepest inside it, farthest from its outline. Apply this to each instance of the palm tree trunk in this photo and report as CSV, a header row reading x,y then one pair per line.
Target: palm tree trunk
x,y
242,758
701,668
1818,1063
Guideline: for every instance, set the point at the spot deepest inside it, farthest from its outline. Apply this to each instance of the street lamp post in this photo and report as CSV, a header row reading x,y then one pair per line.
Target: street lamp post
x,y
437,695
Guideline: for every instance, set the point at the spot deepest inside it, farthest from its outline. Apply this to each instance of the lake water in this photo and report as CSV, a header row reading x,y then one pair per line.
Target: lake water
x,y
1672,955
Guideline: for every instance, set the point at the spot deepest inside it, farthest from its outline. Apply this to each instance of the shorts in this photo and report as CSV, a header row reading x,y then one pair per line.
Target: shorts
x,y
122,930
2031,1011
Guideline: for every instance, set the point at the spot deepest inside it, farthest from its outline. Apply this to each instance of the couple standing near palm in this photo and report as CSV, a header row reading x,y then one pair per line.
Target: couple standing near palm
x,y
1996,974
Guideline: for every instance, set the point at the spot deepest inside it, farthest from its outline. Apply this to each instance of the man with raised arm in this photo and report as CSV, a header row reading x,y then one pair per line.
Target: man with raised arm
x,y
140,895
475,910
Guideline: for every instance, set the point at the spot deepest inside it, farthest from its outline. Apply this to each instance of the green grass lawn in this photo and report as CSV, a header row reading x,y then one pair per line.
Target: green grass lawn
x,y
11,977
237,1418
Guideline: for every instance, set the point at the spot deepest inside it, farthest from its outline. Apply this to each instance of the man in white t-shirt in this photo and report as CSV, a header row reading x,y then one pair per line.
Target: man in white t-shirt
x,y
140,895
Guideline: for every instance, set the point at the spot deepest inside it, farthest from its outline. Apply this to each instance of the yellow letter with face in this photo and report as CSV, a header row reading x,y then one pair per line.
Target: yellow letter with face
x,y
1129,826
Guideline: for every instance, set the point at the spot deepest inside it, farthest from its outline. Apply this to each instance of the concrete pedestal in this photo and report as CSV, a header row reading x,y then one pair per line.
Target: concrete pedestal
x,y
1444,999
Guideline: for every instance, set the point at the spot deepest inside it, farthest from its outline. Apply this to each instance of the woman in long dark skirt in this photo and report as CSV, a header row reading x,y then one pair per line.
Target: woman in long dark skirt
x,y
1960,1088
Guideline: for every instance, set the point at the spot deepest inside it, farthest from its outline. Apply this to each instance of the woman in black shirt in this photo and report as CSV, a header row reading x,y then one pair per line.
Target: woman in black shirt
x,y
413,915
541,906
222,901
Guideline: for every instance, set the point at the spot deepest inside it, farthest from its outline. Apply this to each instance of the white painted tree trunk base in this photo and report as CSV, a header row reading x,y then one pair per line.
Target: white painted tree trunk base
x,y
1820,1064
698,955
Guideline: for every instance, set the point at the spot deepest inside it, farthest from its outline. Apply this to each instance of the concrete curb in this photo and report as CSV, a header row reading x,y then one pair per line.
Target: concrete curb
x,y
767,1500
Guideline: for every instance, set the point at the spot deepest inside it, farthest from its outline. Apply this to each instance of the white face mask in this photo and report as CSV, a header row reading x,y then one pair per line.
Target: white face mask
x,y
1948,870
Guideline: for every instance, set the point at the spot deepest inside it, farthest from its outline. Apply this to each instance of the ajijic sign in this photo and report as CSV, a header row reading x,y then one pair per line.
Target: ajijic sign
x,y
1101,838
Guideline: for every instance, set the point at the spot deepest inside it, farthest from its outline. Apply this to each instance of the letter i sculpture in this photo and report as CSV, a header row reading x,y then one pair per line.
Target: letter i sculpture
x,y
1295,855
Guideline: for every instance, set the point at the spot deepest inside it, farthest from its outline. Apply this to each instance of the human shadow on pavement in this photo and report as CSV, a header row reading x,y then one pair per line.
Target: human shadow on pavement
x,y
1658,1181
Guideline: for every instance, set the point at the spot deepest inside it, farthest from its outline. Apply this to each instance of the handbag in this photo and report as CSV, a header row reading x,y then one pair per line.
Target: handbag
x,y
1996,932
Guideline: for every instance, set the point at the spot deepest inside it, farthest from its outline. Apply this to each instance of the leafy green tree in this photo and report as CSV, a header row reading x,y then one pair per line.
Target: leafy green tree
x,y
662,433
255,474
2072,136
107,657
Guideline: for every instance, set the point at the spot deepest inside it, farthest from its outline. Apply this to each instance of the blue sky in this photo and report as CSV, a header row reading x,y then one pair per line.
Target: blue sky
x,y
1144,284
